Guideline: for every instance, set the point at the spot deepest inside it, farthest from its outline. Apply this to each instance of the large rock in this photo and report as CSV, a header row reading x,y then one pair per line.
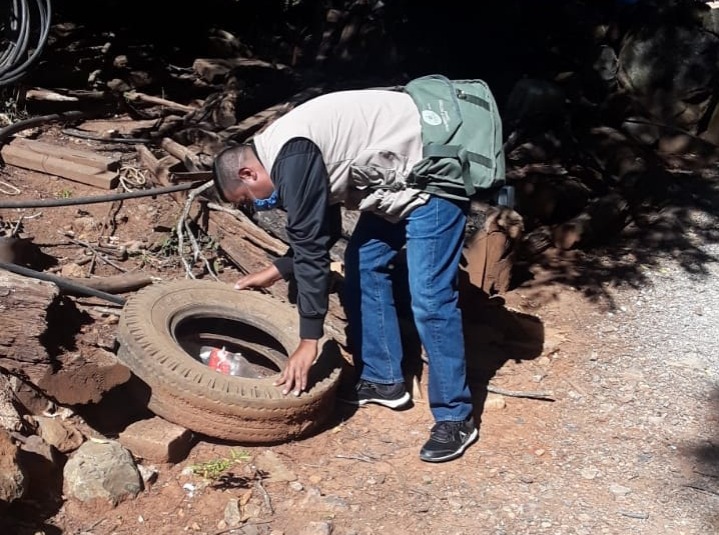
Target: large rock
x,y
12,477
103,471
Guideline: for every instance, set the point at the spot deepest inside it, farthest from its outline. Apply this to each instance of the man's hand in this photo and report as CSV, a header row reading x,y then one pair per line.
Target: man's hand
x,y
262,279
295,374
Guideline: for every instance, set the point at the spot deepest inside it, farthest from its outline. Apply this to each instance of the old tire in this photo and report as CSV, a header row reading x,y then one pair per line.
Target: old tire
x,y
185,391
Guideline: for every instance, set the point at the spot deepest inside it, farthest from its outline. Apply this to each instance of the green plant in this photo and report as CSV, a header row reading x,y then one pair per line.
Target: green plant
x,y
64,194
214,468
169,247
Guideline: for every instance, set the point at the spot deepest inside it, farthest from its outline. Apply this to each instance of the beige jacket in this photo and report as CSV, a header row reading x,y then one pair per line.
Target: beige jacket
x,y
369,140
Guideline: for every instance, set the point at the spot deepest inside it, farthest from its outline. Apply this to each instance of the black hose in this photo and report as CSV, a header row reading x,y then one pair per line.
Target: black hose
x,y
19,26
62,283
49,203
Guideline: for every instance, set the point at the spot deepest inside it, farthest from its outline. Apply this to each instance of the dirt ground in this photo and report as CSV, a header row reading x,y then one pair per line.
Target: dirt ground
x,y
361,473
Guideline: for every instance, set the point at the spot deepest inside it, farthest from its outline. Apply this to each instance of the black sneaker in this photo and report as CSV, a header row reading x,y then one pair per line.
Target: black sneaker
x,y
394,396
448,440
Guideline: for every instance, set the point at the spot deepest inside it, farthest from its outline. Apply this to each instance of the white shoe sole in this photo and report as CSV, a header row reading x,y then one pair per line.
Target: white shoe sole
x,y
390,403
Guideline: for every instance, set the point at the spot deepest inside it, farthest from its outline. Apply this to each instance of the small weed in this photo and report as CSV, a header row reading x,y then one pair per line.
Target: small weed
x,y
64,194
215,468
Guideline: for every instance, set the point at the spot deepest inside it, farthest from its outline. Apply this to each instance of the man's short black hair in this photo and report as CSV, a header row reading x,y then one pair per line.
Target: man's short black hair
x,y
226,167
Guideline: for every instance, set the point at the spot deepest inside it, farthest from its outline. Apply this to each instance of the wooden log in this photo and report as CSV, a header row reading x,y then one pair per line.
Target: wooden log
x,y
83,157
135,96
29,311
240,243
182,153
48,95
122,125
24,304
86,174
214,70
114,284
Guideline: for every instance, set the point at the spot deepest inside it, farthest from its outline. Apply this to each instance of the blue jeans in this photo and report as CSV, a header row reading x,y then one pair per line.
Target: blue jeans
x,y
433,235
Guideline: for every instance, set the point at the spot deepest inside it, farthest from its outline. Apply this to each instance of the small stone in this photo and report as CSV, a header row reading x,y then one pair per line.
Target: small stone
x,y
317,528
296,486
494,401
619,490
314,479
589,473
233,516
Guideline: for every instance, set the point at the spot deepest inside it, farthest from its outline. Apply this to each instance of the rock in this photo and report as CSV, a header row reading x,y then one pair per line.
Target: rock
x,y
619,490
274,470
54,431
72,270
494,401
9,416
157,440
589,473
101,471
233,516
42,465
317,528
148,474
12,476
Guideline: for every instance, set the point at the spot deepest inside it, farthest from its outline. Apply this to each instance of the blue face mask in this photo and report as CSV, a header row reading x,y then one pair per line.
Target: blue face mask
x,y
269,203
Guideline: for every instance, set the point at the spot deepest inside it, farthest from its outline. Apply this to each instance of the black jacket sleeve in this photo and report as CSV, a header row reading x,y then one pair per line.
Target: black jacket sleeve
x,y
300,178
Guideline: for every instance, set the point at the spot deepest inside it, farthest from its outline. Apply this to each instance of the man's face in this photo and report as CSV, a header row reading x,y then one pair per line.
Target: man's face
x,y
251,183
241,194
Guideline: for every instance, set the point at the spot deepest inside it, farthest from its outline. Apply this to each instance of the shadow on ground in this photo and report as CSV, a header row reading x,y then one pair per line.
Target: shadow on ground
x,y
705,460
674,228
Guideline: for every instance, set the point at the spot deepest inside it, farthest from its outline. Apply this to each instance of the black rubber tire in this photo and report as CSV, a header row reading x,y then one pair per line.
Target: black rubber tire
x,y
185,391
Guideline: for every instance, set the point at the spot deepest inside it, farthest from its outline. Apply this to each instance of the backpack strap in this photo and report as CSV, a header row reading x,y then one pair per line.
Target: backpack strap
x,y
473,99
435,150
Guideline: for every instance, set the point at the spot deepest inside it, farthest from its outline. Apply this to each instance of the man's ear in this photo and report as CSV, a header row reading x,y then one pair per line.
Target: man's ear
x,y
245,174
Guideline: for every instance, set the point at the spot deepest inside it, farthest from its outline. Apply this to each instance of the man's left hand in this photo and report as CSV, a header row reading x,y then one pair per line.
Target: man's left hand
x,y
294,376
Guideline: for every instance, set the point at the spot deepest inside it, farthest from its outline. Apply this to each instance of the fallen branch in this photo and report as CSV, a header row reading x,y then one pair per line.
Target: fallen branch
x,y
363,458
544,396
181,232
265,495
135,96
96,252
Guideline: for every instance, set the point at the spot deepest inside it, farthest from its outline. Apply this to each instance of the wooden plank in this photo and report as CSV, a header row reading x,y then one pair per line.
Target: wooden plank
x,y
83,157
92,176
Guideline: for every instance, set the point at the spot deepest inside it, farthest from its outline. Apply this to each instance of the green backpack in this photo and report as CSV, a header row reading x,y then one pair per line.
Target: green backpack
x,y
461,136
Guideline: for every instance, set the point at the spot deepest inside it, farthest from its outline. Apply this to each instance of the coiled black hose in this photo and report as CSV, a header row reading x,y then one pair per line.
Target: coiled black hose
x,y
20,24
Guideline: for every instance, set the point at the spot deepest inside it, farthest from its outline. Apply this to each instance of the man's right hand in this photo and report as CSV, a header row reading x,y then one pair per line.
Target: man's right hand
x,y
262,279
